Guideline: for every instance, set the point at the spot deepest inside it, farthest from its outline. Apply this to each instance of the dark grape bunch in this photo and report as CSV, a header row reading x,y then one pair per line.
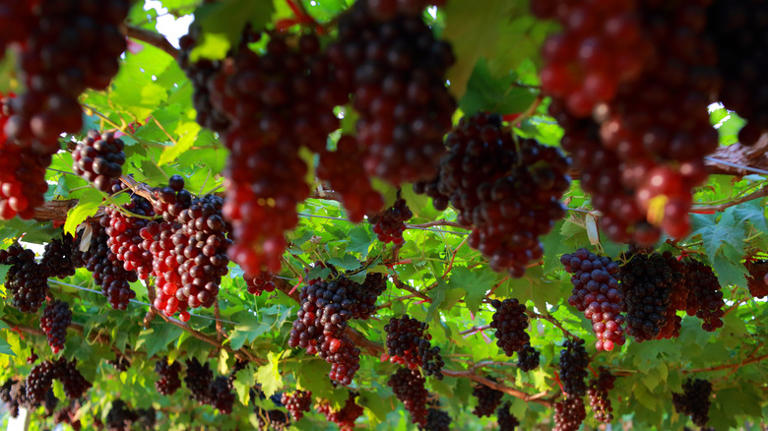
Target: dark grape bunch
x,y
648,282
206,389
344,172
168,380
121,416
704,295
395,70
573,367
507,190
26,279
596,293
408,387
507,421
488,399
74,46
326,307
12,396
694,401
569,414
390,224
510,322
61,257
39,381
345,417
598,396
75,385
297,403
108,271
737,29
54,322
222,394
527,358
271,420
68,415
437,420
264,282
99,159
757,280
408,344
124,239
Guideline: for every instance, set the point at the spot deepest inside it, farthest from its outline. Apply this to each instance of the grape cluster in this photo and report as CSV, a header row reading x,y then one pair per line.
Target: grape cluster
x,y
704,297
510,322
108,271
74,46
569,414
99,159
488,399
320,325
390,224
277,102
22,176
147,418
121,362
694,401
68,415
344,417
198,380
437,420
75,385
648,282
124,239
736,28
573,367
168,381
344,172
387,9
757,280
527,358
507,421
26,279
395,70
650,163
12,396
121,416
222,395
408,344
264,282
297,403
54,322
596,293
271,420
408,387
506,189
60,258
39,380
598,396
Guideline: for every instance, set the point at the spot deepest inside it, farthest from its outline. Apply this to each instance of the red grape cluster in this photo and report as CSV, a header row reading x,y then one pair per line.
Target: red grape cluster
x,y
395,70
569,414
596,293
343,169
573,367
648,282
694,401
74,46
54,322
704,297
26,279
408,344
488,399
168,381
75,385
737,29
510,322
506,189
99,159
507,421
598,396
261,283
344,417
22,178
320,325
527,358
387,9
39,380
61,257
297,403
437,420
757,280
222,395
390,224
108,271
121,416
658,157
408,387
198,380
124,239
277,102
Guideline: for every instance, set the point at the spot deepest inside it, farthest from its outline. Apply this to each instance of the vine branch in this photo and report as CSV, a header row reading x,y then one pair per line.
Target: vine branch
x,y
152,38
